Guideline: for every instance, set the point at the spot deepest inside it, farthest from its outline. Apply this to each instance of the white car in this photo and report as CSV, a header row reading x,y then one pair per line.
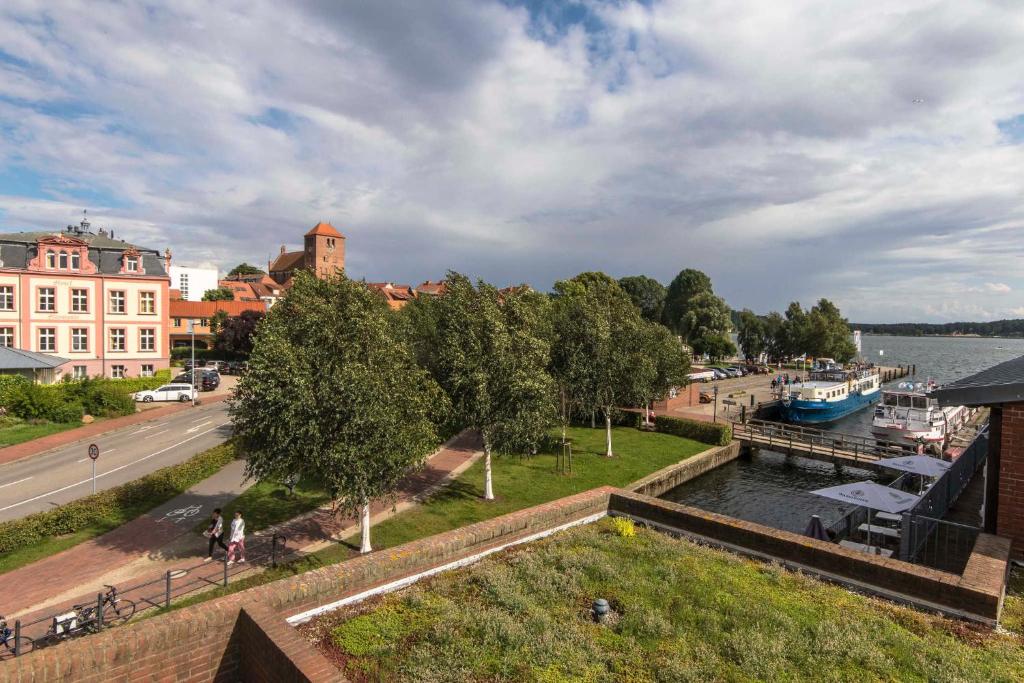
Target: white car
x,y
168,392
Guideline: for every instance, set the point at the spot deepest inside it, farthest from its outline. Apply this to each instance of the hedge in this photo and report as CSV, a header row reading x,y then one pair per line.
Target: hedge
x,y
714,433
113,507
68,400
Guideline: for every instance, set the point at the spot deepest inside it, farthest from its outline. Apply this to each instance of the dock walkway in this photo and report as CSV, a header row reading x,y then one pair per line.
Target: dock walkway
x,y
816,444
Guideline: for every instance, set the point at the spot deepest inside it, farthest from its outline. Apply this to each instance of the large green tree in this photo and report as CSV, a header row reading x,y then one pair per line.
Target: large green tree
x,y
795,330
775,342
662,365
707,324
491,357
218,294
683,288
647,294
245,269
236,334
331,393
829,333
751,334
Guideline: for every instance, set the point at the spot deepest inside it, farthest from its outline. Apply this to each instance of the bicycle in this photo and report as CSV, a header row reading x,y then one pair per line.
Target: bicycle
x,y
16,646
84,618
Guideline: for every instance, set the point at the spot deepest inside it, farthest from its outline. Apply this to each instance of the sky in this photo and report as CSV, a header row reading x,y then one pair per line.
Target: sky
x,y
870,153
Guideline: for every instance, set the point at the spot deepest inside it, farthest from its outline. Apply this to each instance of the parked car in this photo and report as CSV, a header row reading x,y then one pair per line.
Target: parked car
x,y
236,367
221,366
209,379
706,397
169,392
720,373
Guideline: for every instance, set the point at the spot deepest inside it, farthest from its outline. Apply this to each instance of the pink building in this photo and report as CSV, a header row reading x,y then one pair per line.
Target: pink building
x,y
101,303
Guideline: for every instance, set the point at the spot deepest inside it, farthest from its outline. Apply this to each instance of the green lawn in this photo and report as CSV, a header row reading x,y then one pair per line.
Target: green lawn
x,y
518,483
14,430
1013,606
681,612
266,503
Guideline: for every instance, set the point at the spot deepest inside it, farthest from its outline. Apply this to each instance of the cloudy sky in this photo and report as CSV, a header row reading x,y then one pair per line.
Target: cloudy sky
x,y
872,153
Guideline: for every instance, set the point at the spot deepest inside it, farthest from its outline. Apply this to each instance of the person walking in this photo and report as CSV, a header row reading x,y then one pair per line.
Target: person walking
x,y
236,540
215,533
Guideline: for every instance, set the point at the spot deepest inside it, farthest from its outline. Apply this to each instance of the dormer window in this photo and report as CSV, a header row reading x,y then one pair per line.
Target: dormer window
x,y
131,264
76,261
63,260
51,260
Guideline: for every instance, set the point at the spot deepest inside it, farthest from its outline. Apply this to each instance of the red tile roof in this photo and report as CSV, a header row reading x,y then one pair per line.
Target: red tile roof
x,y
206,309
325,229
288,260
429,287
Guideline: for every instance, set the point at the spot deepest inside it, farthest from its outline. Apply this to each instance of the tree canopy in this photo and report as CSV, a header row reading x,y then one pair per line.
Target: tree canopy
x,y
332,394
684,287
751,334
235,334
647,294
218,294
245,269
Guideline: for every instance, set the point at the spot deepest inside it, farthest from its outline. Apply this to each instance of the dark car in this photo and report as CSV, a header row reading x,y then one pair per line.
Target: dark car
x,y
236,367
208,379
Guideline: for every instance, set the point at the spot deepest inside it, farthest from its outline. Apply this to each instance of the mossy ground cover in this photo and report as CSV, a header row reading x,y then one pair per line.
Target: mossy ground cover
x,y
14,430
681,612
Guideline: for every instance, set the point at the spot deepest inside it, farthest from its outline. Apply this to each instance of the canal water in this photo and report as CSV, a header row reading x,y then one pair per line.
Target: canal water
x,y
774,490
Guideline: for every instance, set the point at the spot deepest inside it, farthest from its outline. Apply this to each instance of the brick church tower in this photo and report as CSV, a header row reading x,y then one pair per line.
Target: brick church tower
x,y
324,253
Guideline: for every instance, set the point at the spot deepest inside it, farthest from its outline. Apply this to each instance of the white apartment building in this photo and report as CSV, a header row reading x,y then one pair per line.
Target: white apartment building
x,y
193,282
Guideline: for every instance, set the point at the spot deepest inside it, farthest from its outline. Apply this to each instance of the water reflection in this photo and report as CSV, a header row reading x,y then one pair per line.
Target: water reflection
x,y
771,489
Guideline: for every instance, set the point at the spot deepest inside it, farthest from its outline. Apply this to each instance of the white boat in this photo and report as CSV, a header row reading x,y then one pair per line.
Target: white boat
x,y
907,415
830,392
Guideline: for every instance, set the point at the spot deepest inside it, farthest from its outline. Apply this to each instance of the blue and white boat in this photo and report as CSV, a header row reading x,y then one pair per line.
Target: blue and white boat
x,y
830,394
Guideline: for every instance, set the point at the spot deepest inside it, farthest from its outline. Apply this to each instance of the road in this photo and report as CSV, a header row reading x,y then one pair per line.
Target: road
x,y
65,474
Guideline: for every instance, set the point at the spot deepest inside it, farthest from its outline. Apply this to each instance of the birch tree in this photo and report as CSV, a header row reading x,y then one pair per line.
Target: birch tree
x,y
332,394
490,358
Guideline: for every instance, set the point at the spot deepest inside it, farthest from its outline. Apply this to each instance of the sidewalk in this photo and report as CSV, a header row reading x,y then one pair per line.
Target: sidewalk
x,y
148,547
89,431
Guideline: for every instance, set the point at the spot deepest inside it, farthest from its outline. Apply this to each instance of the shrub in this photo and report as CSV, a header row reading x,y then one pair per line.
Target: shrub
x,y
624,527
716,434
106,399
11,388
70,411
114,506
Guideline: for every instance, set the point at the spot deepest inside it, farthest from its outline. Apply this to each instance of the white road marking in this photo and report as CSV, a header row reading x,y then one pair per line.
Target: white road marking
x,y
3,486
192,429
157,433
116,469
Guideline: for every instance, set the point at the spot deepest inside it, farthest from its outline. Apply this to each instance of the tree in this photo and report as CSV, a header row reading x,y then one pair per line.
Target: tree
x,y
490,357
664,363
707,326
236,334
217,321
332,394
686,285
245,269
647,294
795,330
829,333
751,335
219,294
774,325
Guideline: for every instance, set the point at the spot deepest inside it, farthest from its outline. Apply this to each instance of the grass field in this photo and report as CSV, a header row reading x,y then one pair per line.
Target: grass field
x,y
681,612
14,430
518,483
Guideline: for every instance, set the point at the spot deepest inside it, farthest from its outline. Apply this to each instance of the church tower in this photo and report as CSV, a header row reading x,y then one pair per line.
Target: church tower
x,y
324,253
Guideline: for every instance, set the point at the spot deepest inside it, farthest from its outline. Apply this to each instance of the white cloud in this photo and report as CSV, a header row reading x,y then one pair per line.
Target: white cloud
x,y
775,145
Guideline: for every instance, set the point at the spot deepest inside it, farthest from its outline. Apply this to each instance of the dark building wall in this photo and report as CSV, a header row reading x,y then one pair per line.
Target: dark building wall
x,y
1008,428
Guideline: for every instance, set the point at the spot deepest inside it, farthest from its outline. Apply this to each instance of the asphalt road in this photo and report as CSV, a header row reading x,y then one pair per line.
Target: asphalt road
x,y
65,474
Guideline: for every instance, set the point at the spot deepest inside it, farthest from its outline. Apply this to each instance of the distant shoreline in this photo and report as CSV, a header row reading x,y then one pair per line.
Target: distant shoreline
x,y
937,336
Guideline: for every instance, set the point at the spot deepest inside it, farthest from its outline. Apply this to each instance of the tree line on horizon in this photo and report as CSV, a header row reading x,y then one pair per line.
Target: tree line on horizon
x,y
1013,327
821,332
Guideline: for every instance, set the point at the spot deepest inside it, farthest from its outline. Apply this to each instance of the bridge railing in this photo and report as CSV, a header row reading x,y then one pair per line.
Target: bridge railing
x,y
766,433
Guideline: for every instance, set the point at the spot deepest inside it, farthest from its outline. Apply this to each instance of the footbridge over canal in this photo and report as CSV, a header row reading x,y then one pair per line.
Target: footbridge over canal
x,y
816,444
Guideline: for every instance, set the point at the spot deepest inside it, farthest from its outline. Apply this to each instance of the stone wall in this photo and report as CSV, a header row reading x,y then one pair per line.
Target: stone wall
x,y
977,594
1010,502
672,476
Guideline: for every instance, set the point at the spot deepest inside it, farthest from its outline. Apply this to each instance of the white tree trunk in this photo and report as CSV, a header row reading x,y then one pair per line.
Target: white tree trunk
x,y
364,527
608,434
488,486
647,413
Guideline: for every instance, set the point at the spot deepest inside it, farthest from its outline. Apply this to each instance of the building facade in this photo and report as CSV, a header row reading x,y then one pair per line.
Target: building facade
x,y
99,302
201,313
323,254
193,282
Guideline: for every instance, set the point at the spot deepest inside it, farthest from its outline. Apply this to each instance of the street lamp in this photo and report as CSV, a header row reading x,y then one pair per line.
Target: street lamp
x,y
192,331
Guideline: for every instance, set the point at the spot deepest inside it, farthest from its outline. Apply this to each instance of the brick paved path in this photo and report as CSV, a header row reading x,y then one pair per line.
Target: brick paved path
x,y
146,548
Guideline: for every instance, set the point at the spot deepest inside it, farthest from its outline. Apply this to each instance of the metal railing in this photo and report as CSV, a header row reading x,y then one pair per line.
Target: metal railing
x,y
769,434
936,543
173,584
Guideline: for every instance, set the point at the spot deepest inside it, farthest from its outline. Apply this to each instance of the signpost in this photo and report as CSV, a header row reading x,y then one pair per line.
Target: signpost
x,y
192,331
94,454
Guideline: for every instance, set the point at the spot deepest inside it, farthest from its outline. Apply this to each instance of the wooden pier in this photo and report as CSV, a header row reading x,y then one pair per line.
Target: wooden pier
x,y
816,444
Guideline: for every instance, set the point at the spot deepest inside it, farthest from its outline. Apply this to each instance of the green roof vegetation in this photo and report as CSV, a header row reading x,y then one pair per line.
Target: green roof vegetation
x,y
680,612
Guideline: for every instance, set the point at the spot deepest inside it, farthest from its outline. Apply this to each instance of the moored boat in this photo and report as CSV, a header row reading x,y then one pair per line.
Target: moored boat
x,y
829,394
908,416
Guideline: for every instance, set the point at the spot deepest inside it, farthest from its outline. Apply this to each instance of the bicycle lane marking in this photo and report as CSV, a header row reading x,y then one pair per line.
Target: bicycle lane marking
x,y
108,472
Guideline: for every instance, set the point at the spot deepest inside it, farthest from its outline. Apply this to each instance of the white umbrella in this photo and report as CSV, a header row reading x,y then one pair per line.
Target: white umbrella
x,y
872,496
917,464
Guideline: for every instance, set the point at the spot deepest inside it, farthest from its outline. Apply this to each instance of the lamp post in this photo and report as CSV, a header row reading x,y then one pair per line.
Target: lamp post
x,y
192,331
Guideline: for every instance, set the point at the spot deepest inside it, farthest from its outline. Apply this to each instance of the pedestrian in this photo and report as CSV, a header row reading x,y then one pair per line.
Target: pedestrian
x,y
215,533
236,541
774,384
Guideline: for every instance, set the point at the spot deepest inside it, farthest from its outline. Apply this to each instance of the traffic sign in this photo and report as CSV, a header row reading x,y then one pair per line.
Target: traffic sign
x,y
94,451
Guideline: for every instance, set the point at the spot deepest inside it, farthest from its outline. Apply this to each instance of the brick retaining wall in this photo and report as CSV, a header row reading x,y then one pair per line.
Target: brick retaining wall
x,y
672,476
977,594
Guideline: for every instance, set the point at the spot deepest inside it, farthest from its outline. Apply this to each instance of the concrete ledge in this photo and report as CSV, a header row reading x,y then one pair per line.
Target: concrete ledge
x,y
667,478
976,595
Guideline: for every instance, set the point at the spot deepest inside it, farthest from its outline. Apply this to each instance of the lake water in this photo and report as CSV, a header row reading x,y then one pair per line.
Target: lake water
x,y
774,490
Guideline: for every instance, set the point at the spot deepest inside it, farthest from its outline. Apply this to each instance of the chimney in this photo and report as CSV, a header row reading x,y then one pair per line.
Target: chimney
x,y
282,249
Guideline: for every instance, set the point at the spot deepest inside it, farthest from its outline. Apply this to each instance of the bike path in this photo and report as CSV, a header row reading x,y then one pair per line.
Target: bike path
x,y
88,562
305,533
